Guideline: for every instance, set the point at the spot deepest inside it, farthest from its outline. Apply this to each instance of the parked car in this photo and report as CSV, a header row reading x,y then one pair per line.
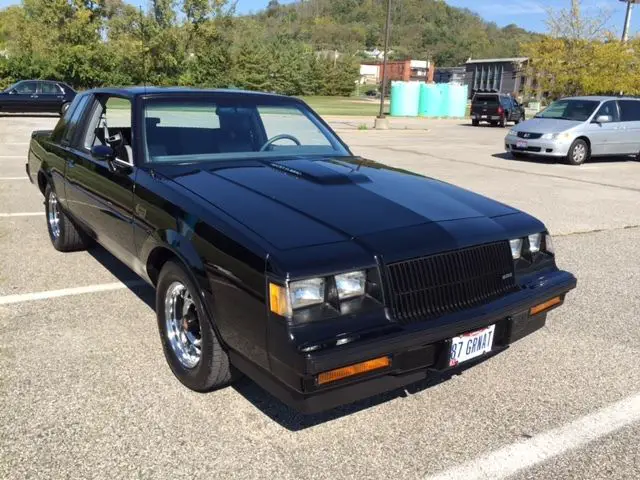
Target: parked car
x,y
495,108
324,277
42,96
578,128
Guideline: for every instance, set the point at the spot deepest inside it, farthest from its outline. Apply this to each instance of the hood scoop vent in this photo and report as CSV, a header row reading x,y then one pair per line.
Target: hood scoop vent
x,y
321,172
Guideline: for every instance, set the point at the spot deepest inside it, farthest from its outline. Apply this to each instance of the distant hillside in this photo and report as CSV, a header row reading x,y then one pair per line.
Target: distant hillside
x,y
421,28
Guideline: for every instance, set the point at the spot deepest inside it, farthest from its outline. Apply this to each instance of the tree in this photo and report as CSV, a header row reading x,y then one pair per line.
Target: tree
x,y
579,57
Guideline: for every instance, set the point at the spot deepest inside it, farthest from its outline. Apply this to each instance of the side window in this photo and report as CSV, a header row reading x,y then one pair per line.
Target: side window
x,y
50,88
609,108
27,88
630,110
110,124
72,123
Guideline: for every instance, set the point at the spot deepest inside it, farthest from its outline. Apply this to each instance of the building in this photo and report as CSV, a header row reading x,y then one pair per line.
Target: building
x,y
501,75
405,70
450,75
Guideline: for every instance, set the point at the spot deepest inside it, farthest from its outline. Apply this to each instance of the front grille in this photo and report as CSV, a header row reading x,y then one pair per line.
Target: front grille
x,y
428,287
529,135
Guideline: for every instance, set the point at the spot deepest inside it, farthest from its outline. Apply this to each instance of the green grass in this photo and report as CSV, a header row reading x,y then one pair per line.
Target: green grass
x,y
352,106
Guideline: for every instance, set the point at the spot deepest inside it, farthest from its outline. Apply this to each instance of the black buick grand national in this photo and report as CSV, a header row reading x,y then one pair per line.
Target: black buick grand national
x,y
277,253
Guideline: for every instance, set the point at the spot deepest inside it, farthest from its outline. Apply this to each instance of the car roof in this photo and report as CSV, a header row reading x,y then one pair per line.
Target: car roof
x,y
131,92
599,98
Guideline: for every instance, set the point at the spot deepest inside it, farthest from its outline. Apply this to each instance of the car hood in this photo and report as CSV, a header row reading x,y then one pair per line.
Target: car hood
x,y
301,202
546,125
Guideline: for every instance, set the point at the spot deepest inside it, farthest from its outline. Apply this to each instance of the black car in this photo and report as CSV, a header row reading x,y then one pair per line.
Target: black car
x,y
41,96
276,252
495,108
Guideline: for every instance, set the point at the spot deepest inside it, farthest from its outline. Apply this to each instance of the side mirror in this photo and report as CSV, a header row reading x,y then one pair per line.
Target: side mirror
x,y
12,91
604,119
103,152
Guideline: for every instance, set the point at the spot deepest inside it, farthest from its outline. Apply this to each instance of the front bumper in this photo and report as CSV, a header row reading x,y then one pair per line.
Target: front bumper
x,y
417,351
547,148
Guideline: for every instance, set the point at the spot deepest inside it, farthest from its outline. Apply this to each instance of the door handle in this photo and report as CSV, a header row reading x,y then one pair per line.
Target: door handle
x,y
34,96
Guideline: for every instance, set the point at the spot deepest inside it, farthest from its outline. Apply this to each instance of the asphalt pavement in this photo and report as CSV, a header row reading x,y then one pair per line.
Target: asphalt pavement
x,y
85,391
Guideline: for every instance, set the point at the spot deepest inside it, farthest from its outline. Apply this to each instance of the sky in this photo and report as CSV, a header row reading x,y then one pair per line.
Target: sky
x,y
529,14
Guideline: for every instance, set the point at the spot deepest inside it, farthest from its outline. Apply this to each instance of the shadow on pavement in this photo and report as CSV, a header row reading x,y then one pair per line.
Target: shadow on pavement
x,y
30,115
123,273
295,421
549,160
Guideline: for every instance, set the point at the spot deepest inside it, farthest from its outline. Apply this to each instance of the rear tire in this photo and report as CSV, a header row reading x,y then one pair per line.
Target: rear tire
x,y
475,123
502,122
578,152
64,108
64,235
189,341
493,123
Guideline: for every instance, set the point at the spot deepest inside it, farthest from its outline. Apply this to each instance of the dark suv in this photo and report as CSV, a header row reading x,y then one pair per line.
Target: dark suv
x,y
495,108
42,96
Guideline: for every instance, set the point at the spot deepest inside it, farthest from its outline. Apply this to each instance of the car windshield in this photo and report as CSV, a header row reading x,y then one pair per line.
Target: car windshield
x,y
231,127
578,110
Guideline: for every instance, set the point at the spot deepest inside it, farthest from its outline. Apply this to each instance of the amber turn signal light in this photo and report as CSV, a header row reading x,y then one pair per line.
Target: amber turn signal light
x,y
278,301
351,370
545,306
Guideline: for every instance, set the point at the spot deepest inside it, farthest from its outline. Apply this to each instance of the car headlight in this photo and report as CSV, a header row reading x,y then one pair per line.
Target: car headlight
x,y
351,284
305,293
512,132
516,248
534,242
557,136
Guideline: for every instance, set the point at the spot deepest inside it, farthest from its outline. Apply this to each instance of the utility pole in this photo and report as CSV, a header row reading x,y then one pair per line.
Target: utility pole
x,y
381,121
627,19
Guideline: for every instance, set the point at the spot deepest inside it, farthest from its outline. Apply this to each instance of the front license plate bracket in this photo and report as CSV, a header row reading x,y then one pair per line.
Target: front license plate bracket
x,y
471,345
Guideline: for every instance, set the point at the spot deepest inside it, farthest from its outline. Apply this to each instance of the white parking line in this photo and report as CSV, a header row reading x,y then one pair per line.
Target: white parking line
x,y
527,453
21,214
14,178
65,292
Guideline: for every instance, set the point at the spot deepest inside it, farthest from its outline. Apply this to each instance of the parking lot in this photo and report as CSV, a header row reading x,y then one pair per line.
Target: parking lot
x,y
85,391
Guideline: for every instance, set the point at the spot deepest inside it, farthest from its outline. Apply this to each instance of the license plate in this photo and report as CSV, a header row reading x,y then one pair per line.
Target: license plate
x,y
521,144
471,345
483,116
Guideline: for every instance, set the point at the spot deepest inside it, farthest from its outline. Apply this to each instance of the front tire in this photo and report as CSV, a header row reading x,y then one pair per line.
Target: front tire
x,y
189,341
64,235
578,152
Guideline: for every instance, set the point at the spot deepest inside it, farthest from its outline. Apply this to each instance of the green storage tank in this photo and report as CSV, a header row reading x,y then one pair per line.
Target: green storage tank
x,y
443,90
456,101
430,100
404,99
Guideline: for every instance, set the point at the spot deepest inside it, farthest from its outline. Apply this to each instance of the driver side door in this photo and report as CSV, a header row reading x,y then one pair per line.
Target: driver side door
x,y
99,191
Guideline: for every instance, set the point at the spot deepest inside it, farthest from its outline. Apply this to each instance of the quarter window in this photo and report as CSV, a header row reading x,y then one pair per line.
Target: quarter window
x,y
630,110
50,88
73,120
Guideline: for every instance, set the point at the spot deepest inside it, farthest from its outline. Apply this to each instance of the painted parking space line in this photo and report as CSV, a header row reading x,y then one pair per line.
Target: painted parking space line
x,y
21,214
65,292
14,178
519,456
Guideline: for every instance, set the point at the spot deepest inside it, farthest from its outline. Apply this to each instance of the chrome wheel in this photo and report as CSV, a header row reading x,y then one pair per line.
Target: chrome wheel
x,y
53,216
579,153
183,325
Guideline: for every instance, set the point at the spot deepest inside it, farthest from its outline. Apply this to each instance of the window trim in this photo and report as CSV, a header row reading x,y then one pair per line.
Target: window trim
x,y
71,139
42,83
597,113
80,142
